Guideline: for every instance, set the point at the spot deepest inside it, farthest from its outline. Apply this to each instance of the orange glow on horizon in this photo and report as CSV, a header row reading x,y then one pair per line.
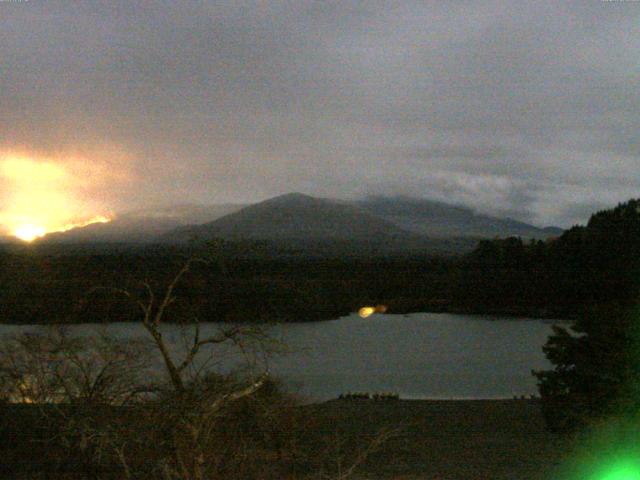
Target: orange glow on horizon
x,y
29,233
43,195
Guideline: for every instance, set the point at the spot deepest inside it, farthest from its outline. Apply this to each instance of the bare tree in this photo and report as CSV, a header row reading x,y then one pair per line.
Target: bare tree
x,y
195,397
69,380
50,366
200,423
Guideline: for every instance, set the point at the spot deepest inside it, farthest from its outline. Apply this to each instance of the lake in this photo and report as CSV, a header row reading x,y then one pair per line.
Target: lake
x,y
420,355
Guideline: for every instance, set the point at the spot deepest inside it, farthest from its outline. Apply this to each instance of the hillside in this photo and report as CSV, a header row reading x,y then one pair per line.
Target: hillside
x,y
596,264
401,222
300,217
442,220
141,226
296,216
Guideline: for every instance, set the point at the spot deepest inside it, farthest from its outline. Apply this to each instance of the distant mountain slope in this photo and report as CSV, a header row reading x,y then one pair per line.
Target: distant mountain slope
x,y
400,222
142,226
296,216
441,220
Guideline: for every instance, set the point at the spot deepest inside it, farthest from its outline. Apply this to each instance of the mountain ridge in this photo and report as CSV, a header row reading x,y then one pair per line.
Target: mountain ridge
x,y
295,216
301,217
441,220
142,226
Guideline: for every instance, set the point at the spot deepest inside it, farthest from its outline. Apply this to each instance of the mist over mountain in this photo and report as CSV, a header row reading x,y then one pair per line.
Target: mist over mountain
x,y
142,226
442,220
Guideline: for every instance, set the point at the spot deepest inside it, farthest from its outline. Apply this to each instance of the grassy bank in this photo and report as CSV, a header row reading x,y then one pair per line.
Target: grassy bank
x,y
450,439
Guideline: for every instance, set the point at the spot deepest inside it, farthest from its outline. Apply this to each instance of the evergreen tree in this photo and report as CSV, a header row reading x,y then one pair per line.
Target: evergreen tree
x,y
596,368
596,361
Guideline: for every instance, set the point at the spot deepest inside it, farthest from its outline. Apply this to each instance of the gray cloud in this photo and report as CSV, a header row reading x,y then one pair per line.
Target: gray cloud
x,y
522,108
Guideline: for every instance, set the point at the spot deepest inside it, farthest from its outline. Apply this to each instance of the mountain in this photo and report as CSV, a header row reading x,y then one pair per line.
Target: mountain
x,y
442,220
397,222
141,226
295,216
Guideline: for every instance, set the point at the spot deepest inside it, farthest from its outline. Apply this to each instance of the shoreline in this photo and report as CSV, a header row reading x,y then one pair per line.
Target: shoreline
x,y
492,314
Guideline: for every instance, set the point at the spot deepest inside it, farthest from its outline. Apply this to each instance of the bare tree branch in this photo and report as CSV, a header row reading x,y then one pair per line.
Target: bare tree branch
x,y
237,395
222,337
168,296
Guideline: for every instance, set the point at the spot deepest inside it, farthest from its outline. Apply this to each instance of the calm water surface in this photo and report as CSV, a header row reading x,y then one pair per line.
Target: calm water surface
x,y
421,355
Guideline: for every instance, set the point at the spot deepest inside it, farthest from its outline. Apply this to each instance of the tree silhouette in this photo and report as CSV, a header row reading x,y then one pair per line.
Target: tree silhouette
x,y
596,369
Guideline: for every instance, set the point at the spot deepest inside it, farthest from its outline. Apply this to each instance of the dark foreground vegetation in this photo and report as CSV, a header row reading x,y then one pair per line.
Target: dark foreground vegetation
x,y
256,281
453,440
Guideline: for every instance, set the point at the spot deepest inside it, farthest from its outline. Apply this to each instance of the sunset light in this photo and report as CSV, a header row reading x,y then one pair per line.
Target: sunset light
x,y
29,233
42,195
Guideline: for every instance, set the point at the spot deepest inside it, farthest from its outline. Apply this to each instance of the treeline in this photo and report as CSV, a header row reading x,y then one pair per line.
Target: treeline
x,y
37,288
587,265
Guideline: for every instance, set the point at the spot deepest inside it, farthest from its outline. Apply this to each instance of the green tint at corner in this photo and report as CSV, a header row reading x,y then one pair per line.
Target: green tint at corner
x,y
610,448
609,451
606,469
622,470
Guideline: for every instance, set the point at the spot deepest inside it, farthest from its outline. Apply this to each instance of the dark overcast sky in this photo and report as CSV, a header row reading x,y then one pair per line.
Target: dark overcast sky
x,y
525,108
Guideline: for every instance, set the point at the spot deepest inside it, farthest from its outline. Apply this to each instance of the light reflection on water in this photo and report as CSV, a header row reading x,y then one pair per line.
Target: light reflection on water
x,y
421,355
